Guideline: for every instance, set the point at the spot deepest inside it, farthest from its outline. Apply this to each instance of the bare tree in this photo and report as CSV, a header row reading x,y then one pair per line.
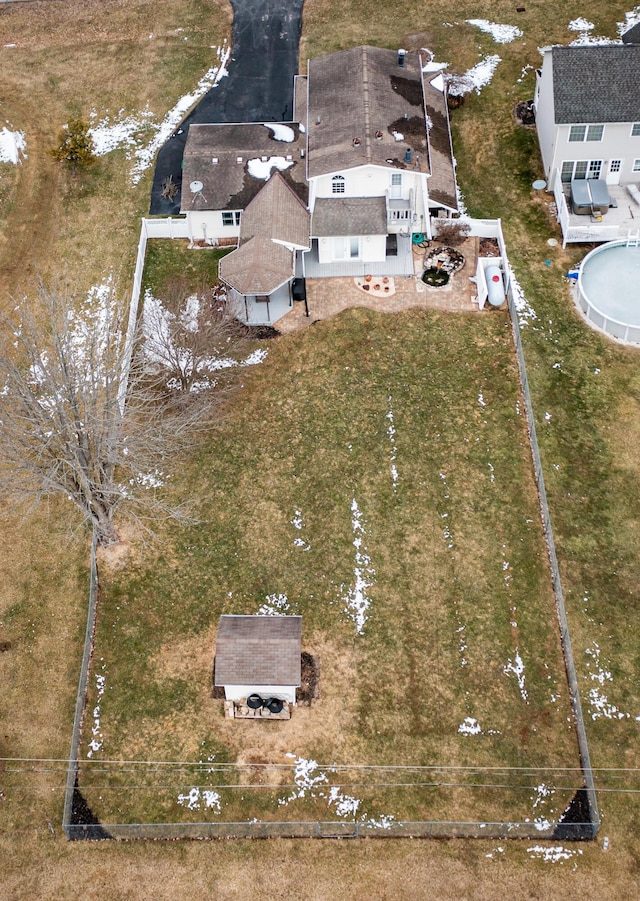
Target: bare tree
x,y
189,337
62,427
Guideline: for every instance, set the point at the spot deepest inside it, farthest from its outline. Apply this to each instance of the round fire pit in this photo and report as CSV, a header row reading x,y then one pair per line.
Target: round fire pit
x,y
435,277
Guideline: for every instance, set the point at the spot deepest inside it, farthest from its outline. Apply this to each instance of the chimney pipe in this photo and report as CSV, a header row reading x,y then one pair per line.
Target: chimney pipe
x,y
401,55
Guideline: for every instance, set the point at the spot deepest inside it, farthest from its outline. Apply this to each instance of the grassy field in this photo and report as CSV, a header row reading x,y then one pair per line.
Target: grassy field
x,y
78,56
415,424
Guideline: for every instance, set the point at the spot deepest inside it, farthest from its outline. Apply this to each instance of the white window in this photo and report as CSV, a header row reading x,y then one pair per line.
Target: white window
x,y
337,184
595,167
580,169
635,130
231,218
636,166
586,133
615,165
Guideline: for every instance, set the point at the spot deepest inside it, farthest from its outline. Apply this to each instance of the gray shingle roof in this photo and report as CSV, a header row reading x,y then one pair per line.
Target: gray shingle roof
x,y
259,266
258,650
276,212
361,92
632,36
349,216
596,83
227,184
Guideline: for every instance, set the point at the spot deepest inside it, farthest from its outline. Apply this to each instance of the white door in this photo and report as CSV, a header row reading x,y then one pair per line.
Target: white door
x,y
346,248
613,175
396,185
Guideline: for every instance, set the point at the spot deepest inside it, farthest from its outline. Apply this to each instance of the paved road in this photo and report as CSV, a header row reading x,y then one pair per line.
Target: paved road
x,y
259,87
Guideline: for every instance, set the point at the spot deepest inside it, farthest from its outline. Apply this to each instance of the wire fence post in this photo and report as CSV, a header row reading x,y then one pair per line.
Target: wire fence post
x,y
72,767
565,638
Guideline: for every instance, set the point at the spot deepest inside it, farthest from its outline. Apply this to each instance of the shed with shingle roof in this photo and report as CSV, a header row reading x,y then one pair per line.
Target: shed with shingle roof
x,y
258,654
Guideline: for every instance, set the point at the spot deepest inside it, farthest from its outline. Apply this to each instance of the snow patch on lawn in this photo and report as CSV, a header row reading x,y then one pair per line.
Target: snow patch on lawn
x,y
580,24
120,131
598,701
160,349
356,600
391,432
476,78
307,777
12,146
198,797
516,667
553,853
630,19
298,523
275,605
469,726
97,738
525,311
345,805
501,34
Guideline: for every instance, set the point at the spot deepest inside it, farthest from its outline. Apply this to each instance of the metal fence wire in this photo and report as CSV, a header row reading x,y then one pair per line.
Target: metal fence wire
x,y
565,638
583,825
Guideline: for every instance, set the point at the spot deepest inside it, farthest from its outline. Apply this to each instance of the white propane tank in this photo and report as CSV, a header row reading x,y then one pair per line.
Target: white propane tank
x,y
495,286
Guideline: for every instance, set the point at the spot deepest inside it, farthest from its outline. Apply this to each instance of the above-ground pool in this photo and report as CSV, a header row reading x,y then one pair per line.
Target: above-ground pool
x,y
609,290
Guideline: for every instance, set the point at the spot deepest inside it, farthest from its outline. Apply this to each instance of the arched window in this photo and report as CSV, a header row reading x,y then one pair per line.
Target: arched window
x,y
337,184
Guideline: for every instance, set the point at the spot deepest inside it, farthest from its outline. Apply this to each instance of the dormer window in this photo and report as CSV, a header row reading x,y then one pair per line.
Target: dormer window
x,y
337,184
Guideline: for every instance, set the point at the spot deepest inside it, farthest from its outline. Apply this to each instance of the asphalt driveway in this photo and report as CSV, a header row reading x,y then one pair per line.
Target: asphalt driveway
x,y
259,87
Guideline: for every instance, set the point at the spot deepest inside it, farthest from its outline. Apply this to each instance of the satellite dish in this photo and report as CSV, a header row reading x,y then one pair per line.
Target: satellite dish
x,y
195,187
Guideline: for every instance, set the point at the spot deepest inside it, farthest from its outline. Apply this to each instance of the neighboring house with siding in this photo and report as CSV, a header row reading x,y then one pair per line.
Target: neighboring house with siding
x,y
587,106
369,157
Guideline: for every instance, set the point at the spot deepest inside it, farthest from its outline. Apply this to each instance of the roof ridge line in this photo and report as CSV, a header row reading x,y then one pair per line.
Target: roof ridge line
x,y
365,103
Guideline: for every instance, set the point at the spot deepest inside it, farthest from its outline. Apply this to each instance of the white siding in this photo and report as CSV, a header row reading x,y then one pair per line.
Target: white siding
x,y
545,114
239,692
373,249
207,224
555,147
616,144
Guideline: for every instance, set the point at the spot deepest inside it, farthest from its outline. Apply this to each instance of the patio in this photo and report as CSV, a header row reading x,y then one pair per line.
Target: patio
x,y
328,296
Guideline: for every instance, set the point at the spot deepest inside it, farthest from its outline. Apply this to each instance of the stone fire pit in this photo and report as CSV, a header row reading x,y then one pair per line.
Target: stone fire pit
x,y
444,259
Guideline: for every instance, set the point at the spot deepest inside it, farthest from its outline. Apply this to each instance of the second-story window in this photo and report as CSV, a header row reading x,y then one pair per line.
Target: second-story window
x,y
586,133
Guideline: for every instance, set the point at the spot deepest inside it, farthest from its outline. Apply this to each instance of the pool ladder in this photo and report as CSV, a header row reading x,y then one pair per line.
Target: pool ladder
x,y
633,240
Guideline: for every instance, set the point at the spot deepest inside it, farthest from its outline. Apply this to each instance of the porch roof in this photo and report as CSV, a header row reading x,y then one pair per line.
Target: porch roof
x,y
259,266
349,216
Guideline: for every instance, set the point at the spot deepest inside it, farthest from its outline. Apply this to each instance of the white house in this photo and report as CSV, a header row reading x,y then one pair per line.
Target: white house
x,y
369,156
379,159
587,106
258,655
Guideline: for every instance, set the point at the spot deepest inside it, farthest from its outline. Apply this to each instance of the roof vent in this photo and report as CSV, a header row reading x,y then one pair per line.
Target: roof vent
x,y
401,57
356,142
407,155
378,136
317,120
215,161
238,159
